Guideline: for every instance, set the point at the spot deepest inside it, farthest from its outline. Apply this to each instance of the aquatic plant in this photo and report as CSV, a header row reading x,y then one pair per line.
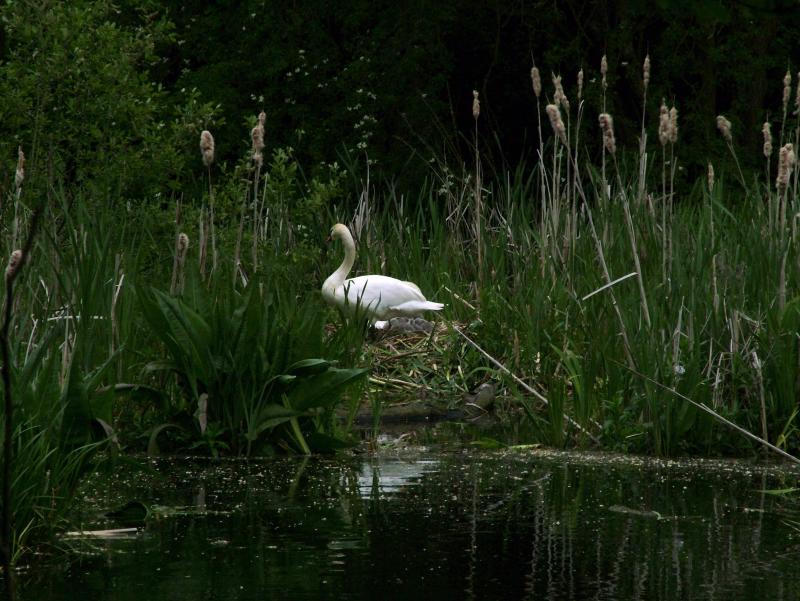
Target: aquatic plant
x,y
716,278
58,370
244,370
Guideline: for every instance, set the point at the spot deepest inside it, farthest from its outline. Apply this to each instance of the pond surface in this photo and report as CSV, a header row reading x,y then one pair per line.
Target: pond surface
x,y
522,524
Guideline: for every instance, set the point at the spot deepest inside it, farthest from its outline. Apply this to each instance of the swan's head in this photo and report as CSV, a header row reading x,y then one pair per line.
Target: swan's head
x,y
339,232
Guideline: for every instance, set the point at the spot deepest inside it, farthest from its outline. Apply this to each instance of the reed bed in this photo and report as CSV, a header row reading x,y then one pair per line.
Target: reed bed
x,y
710,309
579,273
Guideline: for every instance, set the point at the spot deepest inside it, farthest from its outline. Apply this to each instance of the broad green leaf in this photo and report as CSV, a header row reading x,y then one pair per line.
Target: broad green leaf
x,y
268,417
308,367
323,390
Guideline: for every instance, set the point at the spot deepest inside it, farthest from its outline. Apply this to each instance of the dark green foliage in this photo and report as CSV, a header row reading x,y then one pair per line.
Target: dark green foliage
x,y
244,378
393,82
62,417
330,78
78,98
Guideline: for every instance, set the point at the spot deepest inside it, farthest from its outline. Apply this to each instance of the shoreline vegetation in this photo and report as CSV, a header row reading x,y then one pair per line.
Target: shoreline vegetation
x,y
195,324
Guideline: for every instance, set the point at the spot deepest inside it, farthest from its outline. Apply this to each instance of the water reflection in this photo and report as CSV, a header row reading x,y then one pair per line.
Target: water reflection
x,y
452,526
384,476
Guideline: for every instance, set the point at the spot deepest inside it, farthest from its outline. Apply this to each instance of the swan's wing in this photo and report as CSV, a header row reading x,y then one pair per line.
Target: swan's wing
x,y
416,307
414,286
379,293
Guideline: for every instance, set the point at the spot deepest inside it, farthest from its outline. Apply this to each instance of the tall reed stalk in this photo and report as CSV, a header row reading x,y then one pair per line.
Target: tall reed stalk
x,y
257,136
724,126
207,228
15,265
643,134
607,127
536,82
604,84
478,210
176,251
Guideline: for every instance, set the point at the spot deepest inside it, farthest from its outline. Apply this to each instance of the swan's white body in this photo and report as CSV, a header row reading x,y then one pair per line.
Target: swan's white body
x,y
377,296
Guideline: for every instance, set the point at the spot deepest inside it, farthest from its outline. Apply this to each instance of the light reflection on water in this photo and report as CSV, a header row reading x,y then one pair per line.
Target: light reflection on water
x,y
532,525
386,476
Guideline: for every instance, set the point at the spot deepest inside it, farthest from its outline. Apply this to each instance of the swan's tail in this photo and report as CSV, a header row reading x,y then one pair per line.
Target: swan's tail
x,y
414,307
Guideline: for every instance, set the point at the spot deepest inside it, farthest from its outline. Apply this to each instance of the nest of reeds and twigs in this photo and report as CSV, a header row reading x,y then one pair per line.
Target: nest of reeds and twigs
x,y
405,362
416,375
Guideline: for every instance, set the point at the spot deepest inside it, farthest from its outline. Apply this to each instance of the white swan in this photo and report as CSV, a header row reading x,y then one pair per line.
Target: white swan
x,y
379,297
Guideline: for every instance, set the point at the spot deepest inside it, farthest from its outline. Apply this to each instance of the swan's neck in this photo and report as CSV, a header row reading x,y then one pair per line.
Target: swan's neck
x,y
337,278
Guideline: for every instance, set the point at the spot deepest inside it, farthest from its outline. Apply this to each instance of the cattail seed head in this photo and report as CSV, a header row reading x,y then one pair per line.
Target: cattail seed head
x,y
476,105
663,124
673,125
767,139
604,70
207,147
580,85
786,163
14,262
787,89
710,177
183,244
607,127
257,135
19,176
724,127
559,96
556,122
646,71
536,79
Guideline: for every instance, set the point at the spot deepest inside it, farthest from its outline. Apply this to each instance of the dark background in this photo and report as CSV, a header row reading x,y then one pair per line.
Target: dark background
x,y
387,80
423,58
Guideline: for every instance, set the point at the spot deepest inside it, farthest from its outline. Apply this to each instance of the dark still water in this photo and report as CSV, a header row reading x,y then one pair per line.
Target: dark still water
x,y
458,525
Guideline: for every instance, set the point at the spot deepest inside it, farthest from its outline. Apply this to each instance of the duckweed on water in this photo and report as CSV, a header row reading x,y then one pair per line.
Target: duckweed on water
x,y
453,524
